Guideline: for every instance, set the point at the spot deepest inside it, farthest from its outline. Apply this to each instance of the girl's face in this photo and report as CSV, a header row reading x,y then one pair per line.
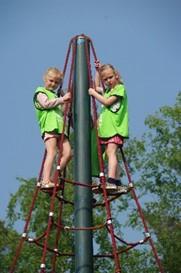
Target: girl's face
x,y
52,81
110,77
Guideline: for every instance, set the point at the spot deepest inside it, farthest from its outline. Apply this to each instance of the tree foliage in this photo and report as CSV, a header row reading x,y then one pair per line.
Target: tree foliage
x,y
159,167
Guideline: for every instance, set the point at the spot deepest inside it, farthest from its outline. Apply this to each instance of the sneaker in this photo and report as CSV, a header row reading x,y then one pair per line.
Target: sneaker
x,y
120,188
111,186
117,182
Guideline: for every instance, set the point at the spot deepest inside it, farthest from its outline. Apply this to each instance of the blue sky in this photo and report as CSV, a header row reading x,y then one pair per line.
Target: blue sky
x,y
141,38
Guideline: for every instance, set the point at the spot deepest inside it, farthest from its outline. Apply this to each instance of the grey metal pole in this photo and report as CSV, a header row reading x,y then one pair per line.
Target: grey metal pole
x,y
82,162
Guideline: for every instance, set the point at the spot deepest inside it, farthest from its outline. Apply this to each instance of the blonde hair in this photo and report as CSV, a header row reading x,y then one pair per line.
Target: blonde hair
x,y
106,66
54,71
110,66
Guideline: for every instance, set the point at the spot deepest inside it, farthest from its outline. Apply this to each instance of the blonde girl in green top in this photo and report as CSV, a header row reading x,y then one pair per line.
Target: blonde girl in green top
x,y
50,120
113,118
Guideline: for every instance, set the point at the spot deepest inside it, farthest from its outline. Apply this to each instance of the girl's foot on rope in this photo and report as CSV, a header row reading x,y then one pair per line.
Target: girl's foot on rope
x,y
47,185
116,186
111,186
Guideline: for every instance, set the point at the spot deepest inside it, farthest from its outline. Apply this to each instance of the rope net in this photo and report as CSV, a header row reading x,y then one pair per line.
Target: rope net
x,y
58,199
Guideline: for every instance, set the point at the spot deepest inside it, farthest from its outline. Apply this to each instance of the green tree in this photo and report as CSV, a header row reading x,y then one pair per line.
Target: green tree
x,y
8,237
158,164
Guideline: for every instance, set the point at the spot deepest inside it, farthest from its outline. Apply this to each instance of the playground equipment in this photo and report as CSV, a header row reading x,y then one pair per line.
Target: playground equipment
x,y
78,113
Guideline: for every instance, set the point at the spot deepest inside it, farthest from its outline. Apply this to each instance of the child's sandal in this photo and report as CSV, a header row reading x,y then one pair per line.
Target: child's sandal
x,y
45,185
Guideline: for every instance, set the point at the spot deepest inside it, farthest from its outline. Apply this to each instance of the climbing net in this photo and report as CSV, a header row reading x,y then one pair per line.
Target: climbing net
x,y
57,194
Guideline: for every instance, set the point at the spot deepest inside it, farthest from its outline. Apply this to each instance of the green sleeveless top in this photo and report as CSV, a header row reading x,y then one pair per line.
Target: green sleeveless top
x,y
113,120
49,120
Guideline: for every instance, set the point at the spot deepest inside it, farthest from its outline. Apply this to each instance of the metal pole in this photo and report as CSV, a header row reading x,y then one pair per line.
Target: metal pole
x,y
82,162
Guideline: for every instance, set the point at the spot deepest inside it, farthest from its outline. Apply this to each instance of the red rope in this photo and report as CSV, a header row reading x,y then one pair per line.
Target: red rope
x,y
59,229
141,213
101,163
27,222
56,175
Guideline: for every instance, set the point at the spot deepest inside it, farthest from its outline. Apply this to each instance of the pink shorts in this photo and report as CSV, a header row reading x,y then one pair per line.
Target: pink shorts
x,y
50,135
117,139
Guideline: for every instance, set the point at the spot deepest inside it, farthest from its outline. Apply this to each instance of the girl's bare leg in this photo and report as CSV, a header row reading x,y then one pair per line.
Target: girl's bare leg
x,y
111,151
66,154
51,146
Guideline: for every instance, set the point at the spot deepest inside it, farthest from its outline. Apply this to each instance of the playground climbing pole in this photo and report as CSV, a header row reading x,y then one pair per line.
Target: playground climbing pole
x,y
80,80
82,164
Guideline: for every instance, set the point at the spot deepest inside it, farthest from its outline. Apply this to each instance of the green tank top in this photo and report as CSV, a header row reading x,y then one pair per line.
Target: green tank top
x,y
113,120
49,120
